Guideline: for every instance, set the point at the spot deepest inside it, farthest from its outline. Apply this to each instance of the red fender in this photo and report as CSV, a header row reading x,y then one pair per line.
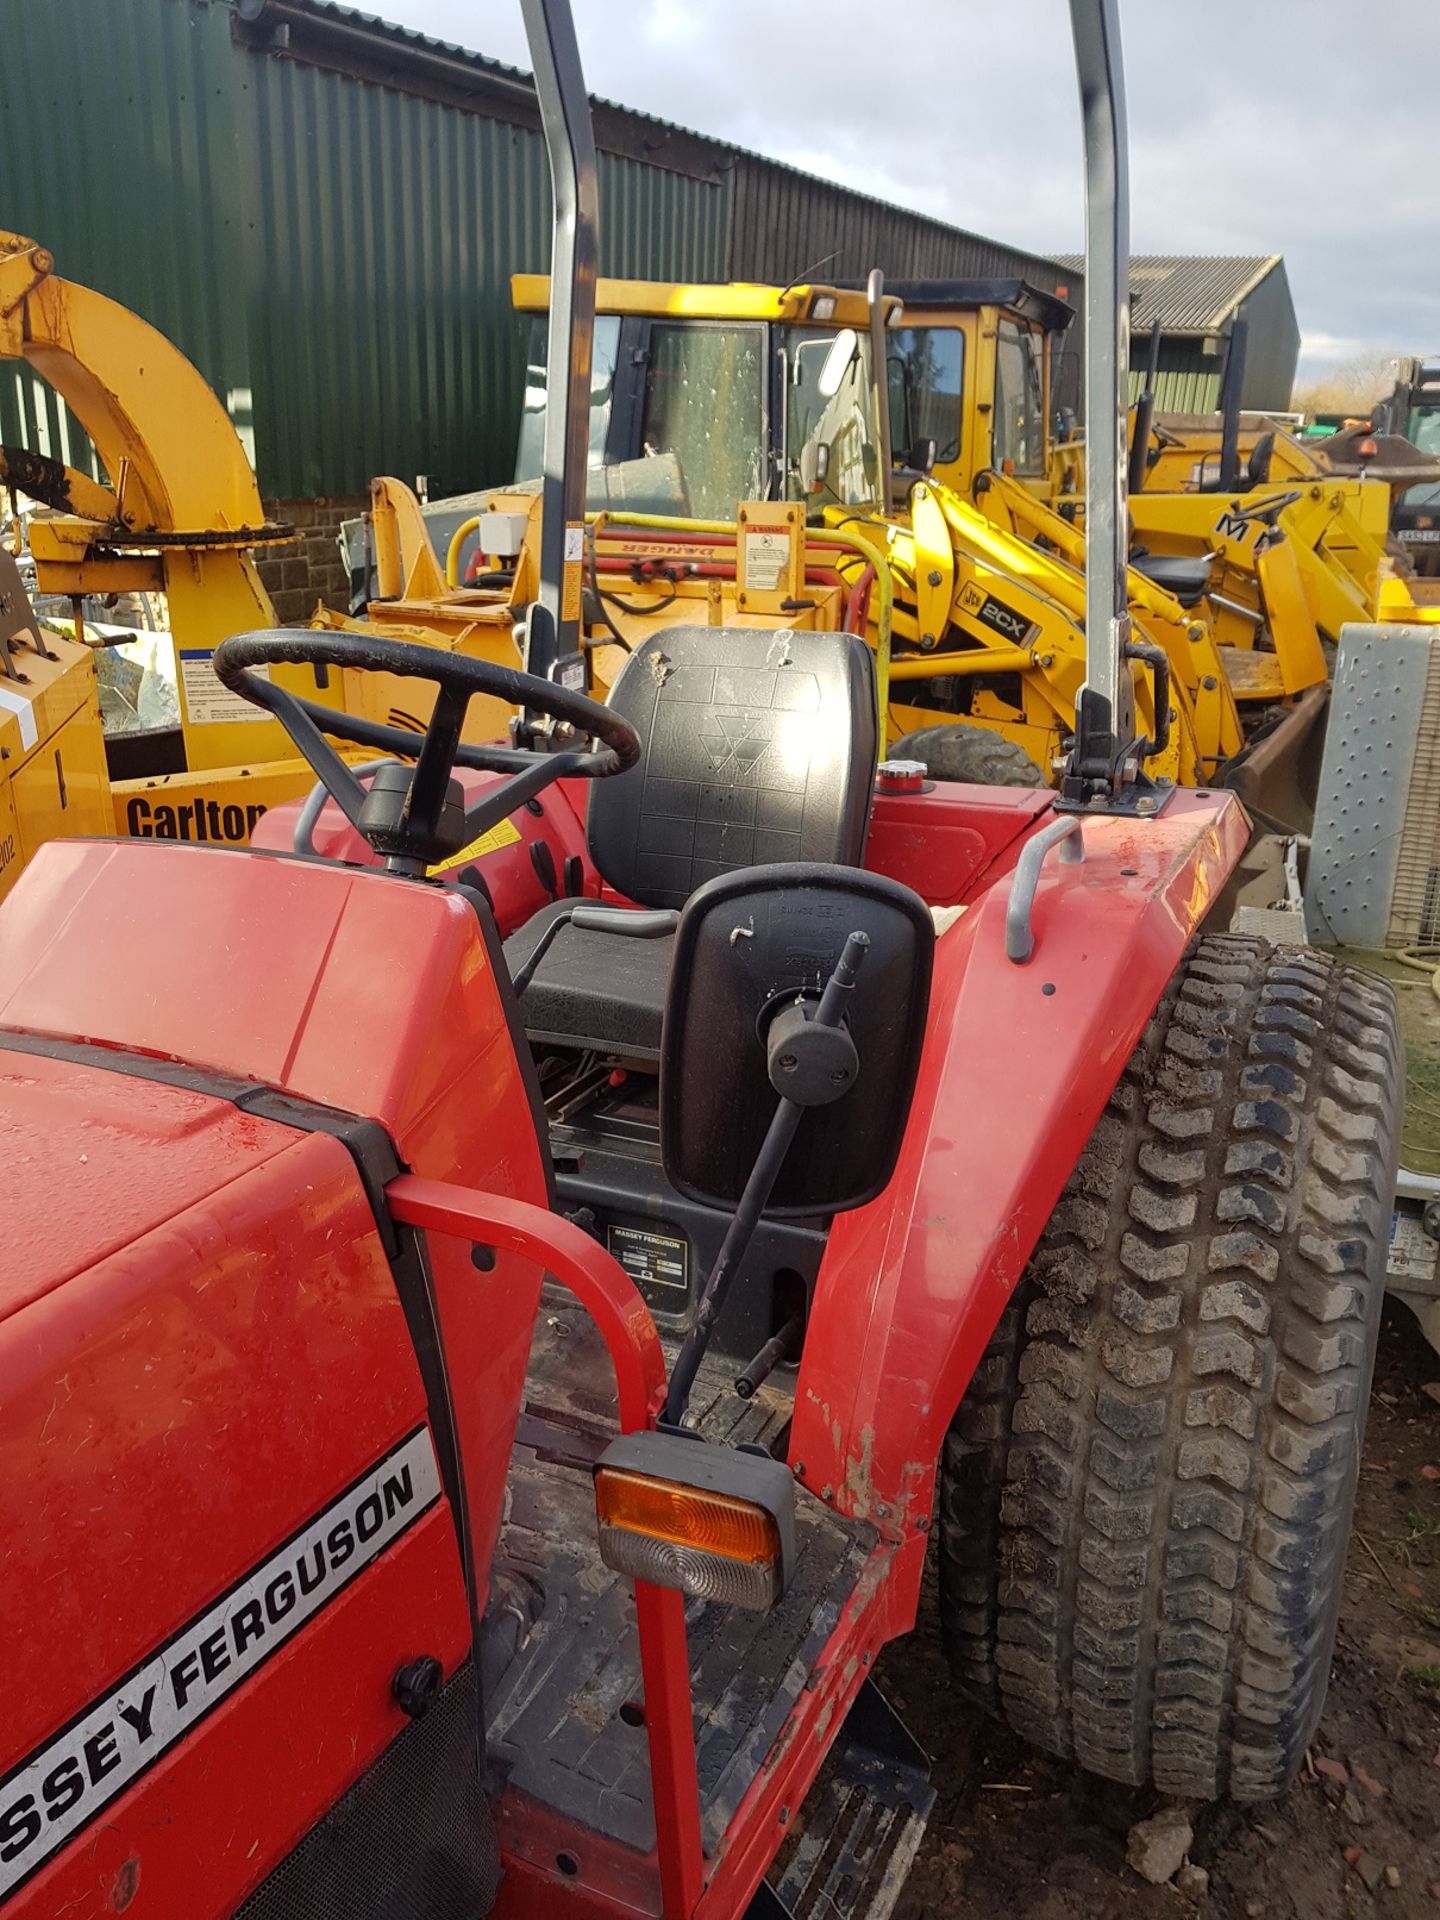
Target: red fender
x,y
1018,1064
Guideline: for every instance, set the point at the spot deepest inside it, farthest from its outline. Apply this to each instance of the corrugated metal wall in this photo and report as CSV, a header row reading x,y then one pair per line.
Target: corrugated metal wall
x,y
380,303
117,153
1189,378
1273,350
380,312
782,222
656,225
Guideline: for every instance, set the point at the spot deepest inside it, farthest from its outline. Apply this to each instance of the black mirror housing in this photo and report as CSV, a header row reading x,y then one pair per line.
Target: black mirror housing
x,y
752,949
814,465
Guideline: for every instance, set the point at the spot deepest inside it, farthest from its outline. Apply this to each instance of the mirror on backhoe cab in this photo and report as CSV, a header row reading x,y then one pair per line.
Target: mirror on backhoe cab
x,y
753,955
836,364
814,465
922,456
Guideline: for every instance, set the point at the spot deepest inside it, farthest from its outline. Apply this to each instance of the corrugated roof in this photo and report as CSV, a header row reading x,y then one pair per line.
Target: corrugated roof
x,y
517,80
1187,293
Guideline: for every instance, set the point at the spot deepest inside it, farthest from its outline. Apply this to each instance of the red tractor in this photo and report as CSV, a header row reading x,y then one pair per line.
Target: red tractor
x,y
474,1407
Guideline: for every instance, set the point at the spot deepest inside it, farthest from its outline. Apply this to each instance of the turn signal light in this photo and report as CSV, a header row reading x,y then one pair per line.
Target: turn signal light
x,y
708,1521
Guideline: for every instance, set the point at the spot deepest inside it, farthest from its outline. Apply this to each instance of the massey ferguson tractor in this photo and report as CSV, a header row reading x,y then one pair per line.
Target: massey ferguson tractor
x,y
504,1282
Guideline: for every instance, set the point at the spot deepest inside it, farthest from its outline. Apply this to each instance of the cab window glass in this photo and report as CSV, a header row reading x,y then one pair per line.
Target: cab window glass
x,y
843,423
926,368
1424,432
702,428
530,458
1019,399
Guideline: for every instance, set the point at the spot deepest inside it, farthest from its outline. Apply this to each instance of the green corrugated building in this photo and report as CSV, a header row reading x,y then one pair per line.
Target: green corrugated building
x,y
1197,298
323,211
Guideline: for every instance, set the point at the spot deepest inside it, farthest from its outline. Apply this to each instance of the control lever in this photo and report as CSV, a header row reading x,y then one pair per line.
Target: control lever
x,y
780,1347
811,1060
590,917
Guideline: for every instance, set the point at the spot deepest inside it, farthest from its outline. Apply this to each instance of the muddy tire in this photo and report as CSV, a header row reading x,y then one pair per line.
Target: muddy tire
x,y
1146,1499
958,751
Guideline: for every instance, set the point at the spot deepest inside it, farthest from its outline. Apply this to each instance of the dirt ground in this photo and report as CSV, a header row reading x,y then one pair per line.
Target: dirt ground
x,y
1016,1835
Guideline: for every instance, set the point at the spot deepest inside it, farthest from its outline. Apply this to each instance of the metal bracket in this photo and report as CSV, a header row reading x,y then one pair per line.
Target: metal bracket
x,y
1064,834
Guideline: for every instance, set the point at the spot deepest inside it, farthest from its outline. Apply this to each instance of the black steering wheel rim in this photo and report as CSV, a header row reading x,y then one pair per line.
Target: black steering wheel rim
x,y
236,658
417,836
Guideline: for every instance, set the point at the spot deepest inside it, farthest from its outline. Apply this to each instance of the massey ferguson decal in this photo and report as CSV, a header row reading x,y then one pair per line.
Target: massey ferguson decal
x,y
65,1784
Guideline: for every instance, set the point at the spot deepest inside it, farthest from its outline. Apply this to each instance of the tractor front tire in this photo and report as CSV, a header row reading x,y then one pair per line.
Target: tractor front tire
x,y
961,751
1146,1497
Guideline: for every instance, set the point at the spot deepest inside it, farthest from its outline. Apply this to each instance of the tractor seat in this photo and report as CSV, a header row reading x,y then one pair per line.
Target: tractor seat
x,y
1185,575
759,747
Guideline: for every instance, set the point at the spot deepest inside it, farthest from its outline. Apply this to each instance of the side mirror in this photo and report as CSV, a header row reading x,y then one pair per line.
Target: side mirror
x,y
921,457
814,465
753,954
836,364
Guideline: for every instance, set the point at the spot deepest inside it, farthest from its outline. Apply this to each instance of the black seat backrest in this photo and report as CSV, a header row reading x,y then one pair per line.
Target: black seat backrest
x,y
759,747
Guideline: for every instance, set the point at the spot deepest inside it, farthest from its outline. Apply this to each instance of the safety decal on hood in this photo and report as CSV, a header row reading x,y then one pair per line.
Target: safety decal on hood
x,y
75,1775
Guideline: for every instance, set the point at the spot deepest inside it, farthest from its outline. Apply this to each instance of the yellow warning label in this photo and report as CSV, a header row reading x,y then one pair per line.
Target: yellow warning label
x,y
573,572
505,835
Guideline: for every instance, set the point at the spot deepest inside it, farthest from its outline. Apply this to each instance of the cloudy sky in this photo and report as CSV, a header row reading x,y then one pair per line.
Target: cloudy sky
x,y
1302,127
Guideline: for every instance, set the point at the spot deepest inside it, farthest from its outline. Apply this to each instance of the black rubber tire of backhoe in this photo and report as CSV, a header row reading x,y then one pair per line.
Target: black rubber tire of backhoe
x,y
1146,1496
958,750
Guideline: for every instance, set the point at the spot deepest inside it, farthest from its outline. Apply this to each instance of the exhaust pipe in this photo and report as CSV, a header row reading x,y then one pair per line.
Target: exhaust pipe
x,y
1145,415
1230,392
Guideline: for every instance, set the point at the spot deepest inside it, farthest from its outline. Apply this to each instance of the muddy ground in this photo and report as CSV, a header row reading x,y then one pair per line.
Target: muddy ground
x,y
1017,1835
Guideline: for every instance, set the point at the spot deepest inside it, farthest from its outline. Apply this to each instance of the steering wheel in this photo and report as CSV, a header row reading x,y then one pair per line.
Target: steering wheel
x,y
414,818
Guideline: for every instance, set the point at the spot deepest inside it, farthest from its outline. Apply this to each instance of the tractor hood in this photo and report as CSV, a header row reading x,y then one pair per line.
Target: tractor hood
x,y
97,1159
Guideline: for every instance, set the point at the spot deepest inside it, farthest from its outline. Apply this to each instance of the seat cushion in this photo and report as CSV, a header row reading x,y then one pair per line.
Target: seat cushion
x,y
757,747
593,990
1185,575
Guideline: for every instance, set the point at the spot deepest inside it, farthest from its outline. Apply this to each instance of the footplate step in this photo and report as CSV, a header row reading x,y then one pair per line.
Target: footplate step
x,y
862,1834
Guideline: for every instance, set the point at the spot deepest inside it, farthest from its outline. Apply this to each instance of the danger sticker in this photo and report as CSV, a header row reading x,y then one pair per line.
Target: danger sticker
x,y
69,1781
767,554
209,703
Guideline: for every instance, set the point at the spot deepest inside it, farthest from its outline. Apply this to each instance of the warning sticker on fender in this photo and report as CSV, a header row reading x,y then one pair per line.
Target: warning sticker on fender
x,y
503,834
68,1782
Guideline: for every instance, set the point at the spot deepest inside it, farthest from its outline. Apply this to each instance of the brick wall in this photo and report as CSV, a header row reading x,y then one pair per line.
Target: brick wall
x,y
311,568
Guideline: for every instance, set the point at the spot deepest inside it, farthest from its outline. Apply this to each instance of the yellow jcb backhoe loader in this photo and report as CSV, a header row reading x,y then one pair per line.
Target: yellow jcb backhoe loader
x,y
976,609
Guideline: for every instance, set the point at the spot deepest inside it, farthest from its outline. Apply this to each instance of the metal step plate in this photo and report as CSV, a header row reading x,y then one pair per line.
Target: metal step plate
x,y
865,1825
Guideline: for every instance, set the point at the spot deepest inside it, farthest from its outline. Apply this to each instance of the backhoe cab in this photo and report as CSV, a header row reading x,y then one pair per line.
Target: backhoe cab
x,y
980,380
786,372
475,1407
1412,409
